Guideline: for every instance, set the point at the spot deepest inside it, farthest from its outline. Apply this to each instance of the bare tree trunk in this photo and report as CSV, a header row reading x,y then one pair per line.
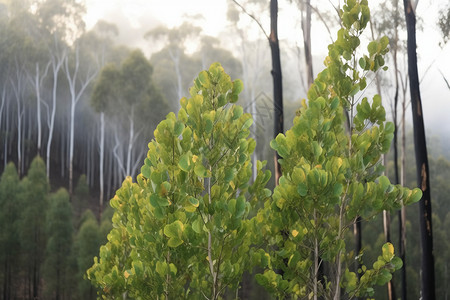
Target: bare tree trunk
x,y
402,248
423,178
57,62
306,28
75,94
18,88
277,80
102,158
130,143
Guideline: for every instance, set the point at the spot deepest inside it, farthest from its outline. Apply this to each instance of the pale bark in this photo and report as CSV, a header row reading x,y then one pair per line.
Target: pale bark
x,y
102,159
18,89
75,96
56,63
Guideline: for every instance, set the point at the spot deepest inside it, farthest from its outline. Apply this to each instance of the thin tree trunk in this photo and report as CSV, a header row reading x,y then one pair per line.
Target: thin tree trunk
x,y
102,158
277,81
130,143
56,66
72,79
423,178
402,248
306,28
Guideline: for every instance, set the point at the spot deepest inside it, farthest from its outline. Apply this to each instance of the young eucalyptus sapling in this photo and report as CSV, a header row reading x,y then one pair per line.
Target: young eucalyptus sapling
x,y
331,177
181,231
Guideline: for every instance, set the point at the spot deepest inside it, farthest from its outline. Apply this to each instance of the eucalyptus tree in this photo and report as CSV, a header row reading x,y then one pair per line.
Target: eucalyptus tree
x,y
135,102
197,176
18,51
135,81
80,71
330,178
174,41
103,95
62,24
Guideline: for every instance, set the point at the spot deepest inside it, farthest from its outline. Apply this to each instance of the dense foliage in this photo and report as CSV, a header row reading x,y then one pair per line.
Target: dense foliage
x,y
182,231
41,241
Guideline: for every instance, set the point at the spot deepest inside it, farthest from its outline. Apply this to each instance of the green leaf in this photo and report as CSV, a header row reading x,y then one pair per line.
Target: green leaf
x,y
173,269
203,78
229,174
174,242
194,201
146,171
200,170
362,63
372,47
161,268
247,123
384,182
197,226
237,112
184,162
337,189
178,128
415,196
388,252
240,207
208,126
238,86
302,189
174,231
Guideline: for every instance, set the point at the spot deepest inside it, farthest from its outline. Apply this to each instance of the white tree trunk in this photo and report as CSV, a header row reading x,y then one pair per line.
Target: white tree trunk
x,y
17,86
102,158
75,96
56,62
130,142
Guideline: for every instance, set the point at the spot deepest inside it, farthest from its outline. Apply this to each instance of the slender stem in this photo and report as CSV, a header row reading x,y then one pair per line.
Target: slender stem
x,y
316,258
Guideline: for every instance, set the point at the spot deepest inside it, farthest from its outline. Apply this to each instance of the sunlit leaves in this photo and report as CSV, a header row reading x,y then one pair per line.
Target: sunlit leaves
x,y
193,194
330,176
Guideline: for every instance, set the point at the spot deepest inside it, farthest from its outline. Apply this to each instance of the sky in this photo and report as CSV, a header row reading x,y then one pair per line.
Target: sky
x,y
135,17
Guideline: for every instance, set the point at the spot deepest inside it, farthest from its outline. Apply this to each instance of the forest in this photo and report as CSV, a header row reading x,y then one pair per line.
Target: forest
x,y
113,153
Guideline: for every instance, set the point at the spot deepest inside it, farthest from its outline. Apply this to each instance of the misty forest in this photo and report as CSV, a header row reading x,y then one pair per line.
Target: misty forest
x,y
168,162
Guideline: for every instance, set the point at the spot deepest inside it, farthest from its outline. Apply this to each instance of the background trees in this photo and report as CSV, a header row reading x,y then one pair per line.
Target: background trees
x,y
34,38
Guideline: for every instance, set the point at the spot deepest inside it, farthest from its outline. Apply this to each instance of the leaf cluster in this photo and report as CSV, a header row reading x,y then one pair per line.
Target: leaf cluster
x,y
331,177
182,229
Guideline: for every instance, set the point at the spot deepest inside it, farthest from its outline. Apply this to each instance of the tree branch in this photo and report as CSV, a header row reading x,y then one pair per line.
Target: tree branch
x,y
253,17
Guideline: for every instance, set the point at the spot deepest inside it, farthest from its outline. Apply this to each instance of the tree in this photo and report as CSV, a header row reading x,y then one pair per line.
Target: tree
x,y
32,223
78,83
330,179
196,175
81,196
9,237
86,246
175,39
103,95
59,230
422,170
276,74
137,100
